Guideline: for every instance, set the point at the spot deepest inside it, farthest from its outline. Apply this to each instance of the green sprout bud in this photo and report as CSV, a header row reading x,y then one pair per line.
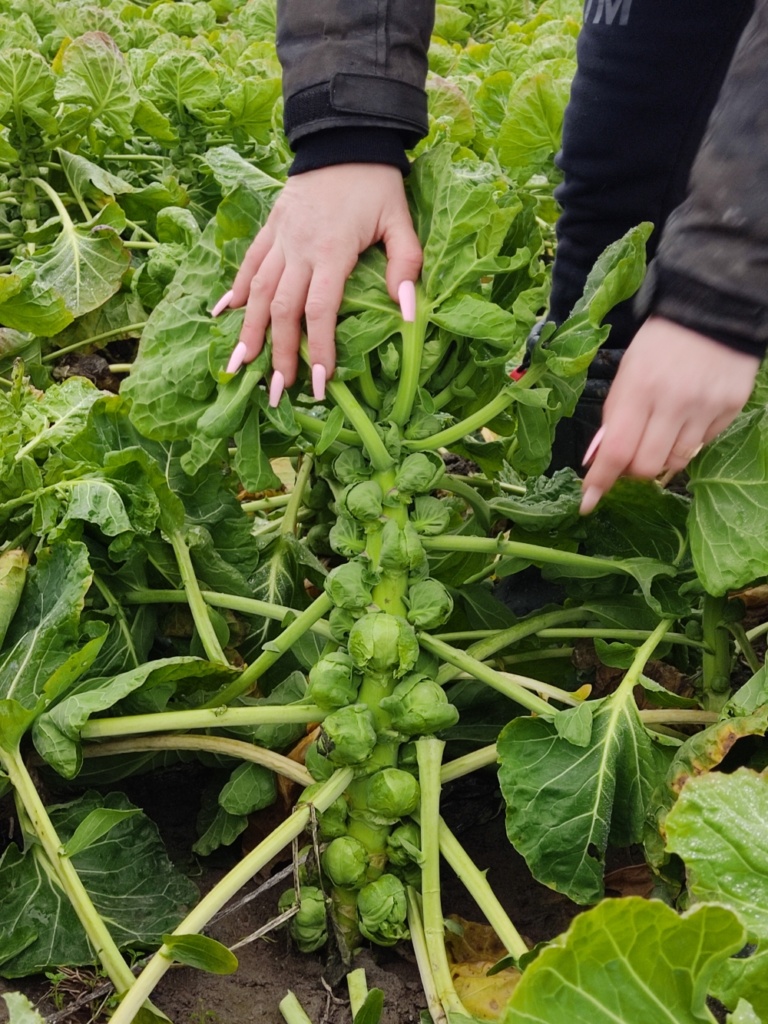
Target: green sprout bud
x,y
351,467
363,501
430,604
348,735
430,516
341,622
382,910
308,927
331,822
345,862
391,794
318,766
418,564
346,537
404,845
394,554
418,706
332,681
419,473
380,642
308,867
349,585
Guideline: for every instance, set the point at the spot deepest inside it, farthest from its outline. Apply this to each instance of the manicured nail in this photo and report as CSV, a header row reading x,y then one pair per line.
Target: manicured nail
x,y
406,294
594,445
276,388
222,304
236,360
589,500
318,381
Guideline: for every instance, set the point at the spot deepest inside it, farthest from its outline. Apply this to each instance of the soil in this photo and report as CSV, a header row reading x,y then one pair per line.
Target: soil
x,y
268,967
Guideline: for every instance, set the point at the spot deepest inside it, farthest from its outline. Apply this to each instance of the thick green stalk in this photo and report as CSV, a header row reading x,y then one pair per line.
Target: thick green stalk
x,y
477,886
380,458
357,986
715,667
517,688
429,752
277,648
221,745
197,607
32,806
413,335
224,890
218,717
292,1011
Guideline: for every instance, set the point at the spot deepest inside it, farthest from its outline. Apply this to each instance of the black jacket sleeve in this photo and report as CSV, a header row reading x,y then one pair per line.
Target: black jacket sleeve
x,y
711,271
354,64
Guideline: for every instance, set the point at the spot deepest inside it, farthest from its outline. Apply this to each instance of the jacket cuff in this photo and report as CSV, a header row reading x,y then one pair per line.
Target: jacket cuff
x,y
352,100
734,321
350,146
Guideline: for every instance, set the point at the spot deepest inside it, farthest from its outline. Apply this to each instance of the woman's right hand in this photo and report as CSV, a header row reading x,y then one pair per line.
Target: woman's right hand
x,y
298,263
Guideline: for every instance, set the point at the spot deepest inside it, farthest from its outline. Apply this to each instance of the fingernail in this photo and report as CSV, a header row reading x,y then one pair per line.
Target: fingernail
x,y
236,360
594,445
406,294
222,304
318,381
276,388
589,500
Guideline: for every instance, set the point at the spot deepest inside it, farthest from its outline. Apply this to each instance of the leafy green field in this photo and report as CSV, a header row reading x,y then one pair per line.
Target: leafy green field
x,y
188,572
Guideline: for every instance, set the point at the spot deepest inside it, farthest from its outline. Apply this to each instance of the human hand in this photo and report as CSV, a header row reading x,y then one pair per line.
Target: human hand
x,y
675,390
299,262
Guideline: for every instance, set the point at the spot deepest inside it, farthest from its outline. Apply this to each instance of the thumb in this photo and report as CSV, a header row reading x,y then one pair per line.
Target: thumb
x,y
404,255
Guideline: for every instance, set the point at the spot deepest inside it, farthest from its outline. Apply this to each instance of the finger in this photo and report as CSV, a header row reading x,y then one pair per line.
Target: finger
x,y
686,446
252,261
324,297
257,311
404,255
286,310
654,449
620,439
718,426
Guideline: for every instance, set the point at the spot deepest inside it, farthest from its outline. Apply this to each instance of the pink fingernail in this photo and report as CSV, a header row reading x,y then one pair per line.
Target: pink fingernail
x,y
589,500
276,388
318,381
406,294
594,445
236,360
222,304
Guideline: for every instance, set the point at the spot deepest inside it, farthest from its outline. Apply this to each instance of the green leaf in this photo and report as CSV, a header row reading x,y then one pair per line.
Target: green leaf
x,y
566,802
127,873
744,977
182,82
96,74
719,826
729,481
202,952
549,502
744,1014
628,960
20,1010
26,89
94,826
530,133
372,1008
251,787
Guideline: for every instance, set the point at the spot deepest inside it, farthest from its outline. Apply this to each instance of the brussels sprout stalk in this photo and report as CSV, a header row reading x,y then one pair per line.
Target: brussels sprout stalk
x,y
292,1011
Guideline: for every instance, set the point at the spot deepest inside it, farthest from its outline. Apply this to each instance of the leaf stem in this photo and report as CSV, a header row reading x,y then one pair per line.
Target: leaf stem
x,y
224,890
472,762
222,745
313,426
197,606
292,1011
200,718
291,517
477,886
357,986
380,458
618,634
105,336
412,351
419,942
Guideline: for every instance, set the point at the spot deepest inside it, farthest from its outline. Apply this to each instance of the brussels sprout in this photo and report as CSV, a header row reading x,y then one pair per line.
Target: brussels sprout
x,y
308,927
418,706
349,585
394,554
430,516
331,822
346,537
382,910
391,794
419,473
380,642
348,735
363,501
345,862
341,622
430,604
318,766
308,867
404,845
351,467
319,540
332,682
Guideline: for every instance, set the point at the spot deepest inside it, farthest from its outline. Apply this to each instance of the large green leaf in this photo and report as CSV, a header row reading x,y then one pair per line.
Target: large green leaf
x,y
566,802
20,1010
96,74
127,873
744,977
26,89
719,826
182,82
530,134
628,960
45,630
729,481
